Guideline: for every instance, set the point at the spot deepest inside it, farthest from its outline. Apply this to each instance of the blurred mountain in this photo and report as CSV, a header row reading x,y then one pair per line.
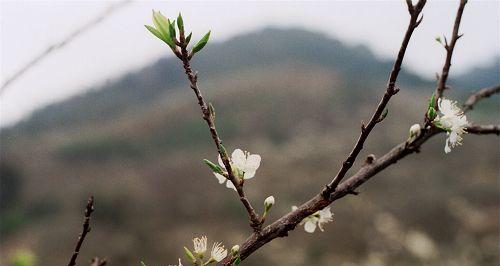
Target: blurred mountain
x,y
258,49
294,97
479,77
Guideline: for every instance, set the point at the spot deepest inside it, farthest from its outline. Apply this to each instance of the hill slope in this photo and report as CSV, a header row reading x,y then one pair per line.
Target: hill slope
x,y
257,49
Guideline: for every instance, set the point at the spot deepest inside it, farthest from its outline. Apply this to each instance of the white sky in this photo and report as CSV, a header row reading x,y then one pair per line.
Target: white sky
x,y
121,43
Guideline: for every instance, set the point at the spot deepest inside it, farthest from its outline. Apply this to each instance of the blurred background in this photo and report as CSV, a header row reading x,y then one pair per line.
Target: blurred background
x,y
108,112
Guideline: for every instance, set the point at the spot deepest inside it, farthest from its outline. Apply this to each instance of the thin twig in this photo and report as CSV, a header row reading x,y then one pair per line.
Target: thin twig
x,y
391,90
449,53
184,55
86,228
68,39
480,94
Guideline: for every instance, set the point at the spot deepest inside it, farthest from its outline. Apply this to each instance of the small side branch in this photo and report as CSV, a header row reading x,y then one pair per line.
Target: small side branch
x,y
479,95
483,129
449,52
391,90
86,228
185,57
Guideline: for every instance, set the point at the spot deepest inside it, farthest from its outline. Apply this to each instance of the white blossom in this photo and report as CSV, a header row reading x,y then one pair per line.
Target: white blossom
x,y
218,252
200,245
317,219
243,164
453,120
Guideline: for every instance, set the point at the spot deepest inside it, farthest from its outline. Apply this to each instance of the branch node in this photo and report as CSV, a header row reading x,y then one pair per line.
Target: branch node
x,y
411,8
370,159
419,20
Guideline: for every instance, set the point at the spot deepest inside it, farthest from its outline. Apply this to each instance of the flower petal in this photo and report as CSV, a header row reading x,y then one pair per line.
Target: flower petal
x,y
220,178
229,184
239,158
249,175
447,148
252,163
325,213
310,226
453,137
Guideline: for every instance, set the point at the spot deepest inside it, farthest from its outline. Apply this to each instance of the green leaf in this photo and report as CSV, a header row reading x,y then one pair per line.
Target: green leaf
x,y
188,38
161,24
171,28
217,169
189,254
180,23
197,47
158,34
155,32
223,151
431,113
237,261
432,101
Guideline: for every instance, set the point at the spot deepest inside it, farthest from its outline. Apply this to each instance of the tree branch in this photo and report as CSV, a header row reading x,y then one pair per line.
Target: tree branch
x,y
449,53
389,92
255,221
483,129
86,228
282,226
479,95
336,190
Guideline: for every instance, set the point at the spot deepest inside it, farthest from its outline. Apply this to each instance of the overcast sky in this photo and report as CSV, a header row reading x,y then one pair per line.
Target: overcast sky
x,y
121,43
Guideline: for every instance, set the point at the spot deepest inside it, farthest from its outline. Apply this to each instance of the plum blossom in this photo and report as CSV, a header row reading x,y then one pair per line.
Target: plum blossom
x,y
218,252
243,164
200,245
316,219
453,120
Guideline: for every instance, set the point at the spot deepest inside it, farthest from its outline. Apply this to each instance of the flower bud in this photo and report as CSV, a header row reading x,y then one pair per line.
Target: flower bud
x,y
414,132
235,249
268,203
